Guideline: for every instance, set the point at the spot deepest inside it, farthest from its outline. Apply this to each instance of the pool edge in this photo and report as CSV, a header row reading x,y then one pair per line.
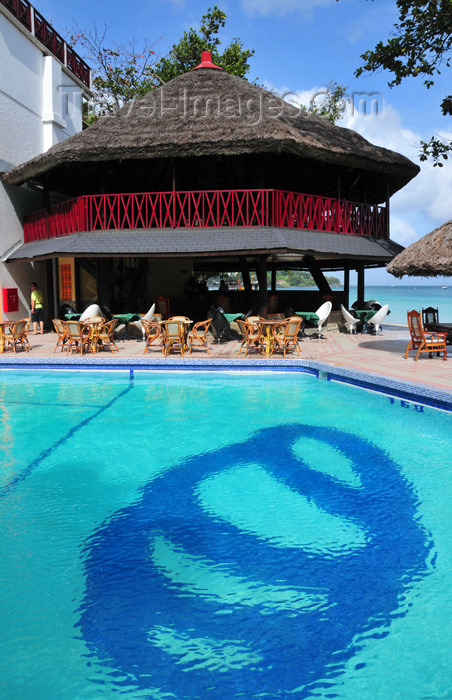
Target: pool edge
x,y
399,388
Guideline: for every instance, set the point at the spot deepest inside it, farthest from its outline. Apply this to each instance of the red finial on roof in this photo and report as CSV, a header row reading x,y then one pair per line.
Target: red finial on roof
x,y
206,61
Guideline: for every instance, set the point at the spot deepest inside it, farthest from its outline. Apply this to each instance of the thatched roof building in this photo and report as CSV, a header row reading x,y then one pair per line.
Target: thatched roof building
x,y
244,135
207,173
430,256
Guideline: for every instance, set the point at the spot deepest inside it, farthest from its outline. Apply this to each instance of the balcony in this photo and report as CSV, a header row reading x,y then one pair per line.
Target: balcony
x,y
42,30
206,209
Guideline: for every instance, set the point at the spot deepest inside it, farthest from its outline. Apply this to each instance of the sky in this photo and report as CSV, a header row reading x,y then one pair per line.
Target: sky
x,y
301,45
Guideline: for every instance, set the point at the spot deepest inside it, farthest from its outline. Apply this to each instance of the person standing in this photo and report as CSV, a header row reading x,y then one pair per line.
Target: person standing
x,y
37,308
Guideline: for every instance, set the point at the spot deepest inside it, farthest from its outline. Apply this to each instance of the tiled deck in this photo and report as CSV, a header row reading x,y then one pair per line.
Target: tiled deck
x,y
375,356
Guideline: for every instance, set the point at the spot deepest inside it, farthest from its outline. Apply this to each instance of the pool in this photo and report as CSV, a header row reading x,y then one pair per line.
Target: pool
x,y
221,535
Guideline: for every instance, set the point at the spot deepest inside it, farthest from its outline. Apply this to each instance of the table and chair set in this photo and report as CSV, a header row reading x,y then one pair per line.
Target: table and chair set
x,y
425,333
370,318
92,334
268,336
174,335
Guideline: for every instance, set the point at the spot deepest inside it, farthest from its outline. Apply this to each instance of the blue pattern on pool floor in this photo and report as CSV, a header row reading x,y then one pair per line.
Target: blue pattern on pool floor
x,y
192,603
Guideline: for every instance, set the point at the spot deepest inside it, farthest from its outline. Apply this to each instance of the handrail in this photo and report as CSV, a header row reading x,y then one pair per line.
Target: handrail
x,y
206,209
43,31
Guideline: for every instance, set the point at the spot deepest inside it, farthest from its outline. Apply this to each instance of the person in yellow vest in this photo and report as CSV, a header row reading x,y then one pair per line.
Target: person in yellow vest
x,y
37,308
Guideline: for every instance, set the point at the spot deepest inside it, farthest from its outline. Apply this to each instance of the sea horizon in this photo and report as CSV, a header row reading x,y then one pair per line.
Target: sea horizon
x,y
402,298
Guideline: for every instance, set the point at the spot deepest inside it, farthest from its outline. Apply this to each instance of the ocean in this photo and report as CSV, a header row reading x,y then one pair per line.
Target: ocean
x,y
407,297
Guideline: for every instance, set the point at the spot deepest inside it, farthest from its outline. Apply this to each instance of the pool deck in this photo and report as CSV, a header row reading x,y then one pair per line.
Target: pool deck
x,y
377,357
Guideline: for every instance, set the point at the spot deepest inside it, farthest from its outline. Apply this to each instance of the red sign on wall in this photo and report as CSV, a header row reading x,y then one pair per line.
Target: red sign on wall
x,y
66,281
10,299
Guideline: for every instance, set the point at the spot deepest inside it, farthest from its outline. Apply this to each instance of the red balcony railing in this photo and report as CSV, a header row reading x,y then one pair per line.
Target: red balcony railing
x,y
46,34
20,9
204,209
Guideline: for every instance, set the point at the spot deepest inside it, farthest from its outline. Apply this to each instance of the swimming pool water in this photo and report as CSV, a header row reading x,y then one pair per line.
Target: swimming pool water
x,y
220,535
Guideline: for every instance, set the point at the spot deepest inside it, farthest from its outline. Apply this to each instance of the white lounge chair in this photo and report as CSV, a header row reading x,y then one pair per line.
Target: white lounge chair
x,y
378,318
147,317
350,320
323,312
92,310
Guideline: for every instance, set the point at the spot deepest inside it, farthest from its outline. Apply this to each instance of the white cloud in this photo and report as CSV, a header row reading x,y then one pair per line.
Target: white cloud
x,y
426,200
403,232
423,204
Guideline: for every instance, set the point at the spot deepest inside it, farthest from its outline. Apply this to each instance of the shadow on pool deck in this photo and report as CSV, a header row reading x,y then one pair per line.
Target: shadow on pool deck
x,y
379,355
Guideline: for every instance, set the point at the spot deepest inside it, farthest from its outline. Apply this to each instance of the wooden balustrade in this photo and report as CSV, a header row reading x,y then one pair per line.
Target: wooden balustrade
x,y
206,209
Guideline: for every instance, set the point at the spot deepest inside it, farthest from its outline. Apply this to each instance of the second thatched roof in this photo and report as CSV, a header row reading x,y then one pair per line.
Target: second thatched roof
x,y
430,256
209,112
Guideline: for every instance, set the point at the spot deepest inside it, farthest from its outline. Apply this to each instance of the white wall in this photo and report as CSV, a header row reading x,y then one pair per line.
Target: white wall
x,y
40,105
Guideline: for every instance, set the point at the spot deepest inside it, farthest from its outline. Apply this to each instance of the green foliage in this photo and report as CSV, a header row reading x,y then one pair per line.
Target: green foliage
x,y
297,278
186,54
122,73
331,103
421,47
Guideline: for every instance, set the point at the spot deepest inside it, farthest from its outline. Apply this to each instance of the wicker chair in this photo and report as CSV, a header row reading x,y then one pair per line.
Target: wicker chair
x,y
197,338
62,334
223,301
153,334
252,337
285,336
104,336
272,304
423,341
252,320
162,306
174,336
79,337
430,317
18,335
5,332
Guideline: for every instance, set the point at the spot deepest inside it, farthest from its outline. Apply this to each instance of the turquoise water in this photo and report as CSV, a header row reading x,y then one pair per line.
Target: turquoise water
x,y
219,536
405,298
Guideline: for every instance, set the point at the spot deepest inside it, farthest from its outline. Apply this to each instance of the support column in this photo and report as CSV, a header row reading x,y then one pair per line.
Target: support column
x,y
318,276
360,271
273,285
55,287
104,275
346,287
387,210
261,270
248,289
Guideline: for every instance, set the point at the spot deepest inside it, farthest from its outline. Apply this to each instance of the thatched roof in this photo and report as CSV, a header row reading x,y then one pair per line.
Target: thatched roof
x,y
209,112
430,256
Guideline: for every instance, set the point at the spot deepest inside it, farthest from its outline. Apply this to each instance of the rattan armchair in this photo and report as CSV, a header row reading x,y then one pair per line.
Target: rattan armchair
x,y
62,334
79,337
252,337
104,336
174,336
197,338
285,336
153,334
18,335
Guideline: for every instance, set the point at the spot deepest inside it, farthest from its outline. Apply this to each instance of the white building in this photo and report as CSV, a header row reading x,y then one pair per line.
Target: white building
x,y
42,85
